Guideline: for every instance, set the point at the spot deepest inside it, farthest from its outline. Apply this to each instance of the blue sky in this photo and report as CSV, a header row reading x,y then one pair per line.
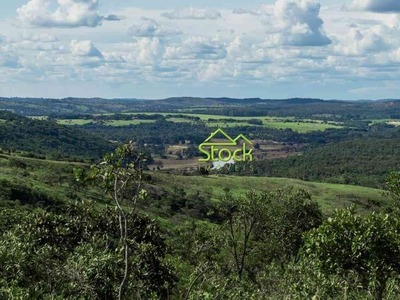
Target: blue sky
x,y
157,49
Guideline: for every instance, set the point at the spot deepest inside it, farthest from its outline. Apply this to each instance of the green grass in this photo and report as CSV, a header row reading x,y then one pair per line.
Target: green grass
x,y
299,127
111,123
74,122
329,196
179,120
54,179
375,121
127,122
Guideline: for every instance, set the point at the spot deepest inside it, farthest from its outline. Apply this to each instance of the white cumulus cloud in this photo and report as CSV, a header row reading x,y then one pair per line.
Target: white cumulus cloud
x,y
194,13
41,46
197,47
266,45
259,11
296,23
84,48
150,51
151,28
43,37
143,52
358,42
69,13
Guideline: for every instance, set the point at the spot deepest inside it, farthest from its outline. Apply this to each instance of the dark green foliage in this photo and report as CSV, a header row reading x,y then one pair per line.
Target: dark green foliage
x,y
10,217
24,195
255,122
270,224
393,191
289,215
163,132
77,254
49,139
254,235
159,133
349,246
178,202
363,162
191,152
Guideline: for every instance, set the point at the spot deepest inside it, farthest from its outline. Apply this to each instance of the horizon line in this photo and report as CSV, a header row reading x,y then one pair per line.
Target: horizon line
x,y
195,97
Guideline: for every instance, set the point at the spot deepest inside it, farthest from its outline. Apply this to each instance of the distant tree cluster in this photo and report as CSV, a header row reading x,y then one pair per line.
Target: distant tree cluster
x,y
47,138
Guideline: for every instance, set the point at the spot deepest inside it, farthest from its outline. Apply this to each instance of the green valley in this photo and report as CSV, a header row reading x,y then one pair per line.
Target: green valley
x,y
107,199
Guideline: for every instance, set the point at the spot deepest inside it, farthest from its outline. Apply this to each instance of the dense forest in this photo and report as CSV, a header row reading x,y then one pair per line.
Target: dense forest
x,y
40,138
363,162
166,132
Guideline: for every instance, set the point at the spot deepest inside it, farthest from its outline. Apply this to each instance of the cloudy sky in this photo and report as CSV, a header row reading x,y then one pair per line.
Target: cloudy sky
x,y
331,49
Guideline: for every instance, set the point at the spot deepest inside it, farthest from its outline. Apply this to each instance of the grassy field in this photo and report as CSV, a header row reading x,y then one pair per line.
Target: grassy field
x,y
51,178
126,122
205,117
74,122
179,120
111,123
389,121
270,122
299,127
54,178
329,196
395,123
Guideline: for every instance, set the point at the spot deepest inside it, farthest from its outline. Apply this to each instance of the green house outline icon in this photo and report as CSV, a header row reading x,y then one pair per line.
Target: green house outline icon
x,y
231,142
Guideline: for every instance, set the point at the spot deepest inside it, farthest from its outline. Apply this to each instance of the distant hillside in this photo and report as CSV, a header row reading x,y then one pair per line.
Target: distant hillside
x,y
329,196
50,184
333,110
48,138
361,161
290,101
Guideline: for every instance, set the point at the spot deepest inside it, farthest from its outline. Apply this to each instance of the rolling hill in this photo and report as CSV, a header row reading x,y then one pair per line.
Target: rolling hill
x,y
329,196
46,138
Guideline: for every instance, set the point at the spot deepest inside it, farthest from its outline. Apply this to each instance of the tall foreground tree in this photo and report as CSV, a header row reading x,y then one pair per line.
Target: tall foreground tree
x,y
266,227
393,191
352,247
120,175
243,217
